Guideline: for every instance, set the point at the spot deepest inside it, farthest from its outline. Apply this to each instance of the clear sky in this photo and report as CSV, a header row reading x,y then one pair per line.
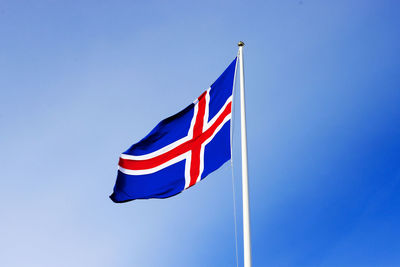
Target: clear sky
x,y
80,81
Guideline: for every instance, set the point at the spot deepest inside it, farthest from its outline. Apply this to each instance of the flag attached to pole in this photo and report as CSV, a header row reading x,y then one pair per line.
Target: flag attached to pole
x,y
182,149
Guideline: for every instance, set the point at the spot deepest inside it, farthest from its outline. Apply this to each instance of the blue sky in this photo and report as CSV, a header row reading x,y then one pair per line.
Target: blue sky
x,y
83,80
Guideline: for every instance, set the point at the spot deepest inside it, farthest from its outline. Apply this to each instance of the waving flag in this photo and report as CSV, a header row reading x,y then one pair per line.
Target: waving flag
x,y
182,149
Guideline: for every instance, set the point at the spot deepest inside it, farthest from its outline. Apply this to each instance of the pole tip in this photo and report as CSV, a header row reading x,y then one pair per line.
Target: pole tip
x,y
240,43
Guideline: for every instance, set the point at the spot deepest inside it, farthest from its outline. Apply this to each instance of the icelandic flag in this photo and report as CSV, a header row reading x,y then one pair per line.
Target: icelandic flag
x,y
182,149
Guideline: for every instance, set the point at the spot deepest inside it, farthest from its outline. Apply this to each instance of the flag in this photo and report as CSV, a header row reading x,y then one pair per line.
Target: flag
x,y
182,149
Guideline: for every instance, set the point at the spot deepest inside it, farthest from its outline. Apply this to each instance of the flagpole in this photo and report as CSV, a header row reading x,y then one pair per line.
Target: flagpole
x,y
245,178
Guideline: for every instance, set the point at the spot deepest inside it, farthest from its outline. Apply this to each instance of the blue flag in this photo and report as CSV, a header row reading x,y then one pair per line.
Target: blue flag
x,y
182,149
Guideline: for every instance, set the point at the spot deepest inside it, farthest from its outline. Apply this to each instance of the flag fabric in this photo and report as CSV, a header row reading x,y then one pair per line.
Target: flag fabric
x,y
182,149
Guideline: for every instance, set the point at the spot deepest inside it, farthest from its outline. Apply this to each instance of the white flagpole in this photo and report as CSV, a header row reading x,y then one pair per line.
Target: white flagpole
x,y
245,178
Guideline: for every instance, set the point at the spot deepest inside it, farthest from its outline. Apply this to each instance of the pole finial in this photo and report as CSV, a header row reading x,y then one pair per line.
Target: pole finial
x,y
240,43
